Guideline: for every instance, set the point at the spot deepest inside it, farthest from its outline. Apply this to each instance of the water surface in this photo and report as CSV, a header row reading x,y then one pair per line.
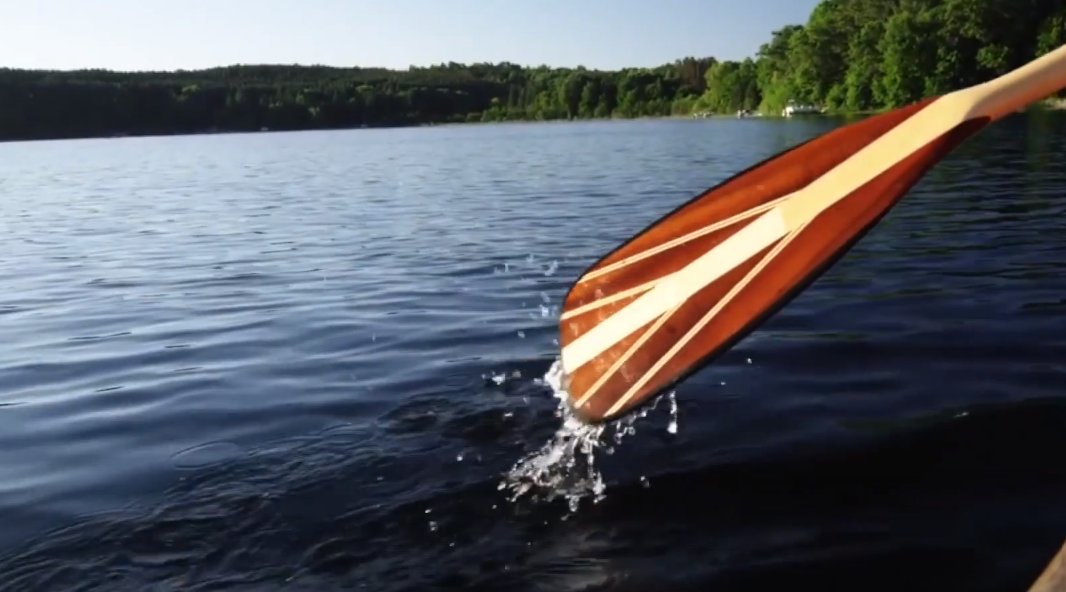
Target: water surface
x,y
307,361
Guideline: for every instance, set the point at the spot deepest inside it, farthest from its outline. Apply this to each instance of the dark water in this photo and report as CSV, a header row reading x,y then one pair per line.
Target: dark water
x,y
307,362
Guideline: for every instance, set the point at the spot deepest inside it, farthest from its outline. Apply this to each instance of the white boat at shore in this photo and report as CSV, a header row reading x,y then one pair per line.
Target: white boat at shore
x,y
793,108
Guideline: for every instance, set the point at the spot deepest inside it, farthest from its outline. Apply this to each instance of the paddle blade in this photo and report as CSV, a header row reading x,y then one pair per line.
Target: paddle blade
x,y
688,287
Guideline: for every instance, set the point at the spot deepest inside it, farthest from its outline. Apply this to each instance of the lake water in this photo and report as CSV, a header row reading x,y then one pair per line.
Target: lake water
x,y
312,361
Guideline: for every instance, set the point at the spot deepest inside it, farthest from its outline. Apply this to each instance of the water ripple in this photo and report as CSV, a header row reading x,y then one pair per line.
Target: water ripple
x,y
306,361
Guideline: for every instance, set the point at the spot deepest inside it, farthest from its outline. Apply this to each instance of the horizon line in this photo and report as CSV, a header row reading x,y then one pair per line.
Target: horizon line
x,y
409,68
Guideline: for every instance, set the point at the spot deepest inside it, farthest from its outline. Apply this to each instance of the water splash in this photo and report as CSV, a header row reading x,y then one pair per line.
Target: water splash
x,y
565,466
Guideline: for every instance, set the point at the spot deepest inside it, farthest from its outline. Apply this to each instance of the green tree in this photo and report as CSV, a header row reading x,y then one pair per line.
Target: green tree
x,y
850,55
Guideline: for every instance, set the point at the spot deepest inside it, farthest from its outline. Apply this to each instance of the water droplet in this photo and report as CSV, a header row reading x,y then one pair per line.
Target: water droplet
x,y
672,426
565,467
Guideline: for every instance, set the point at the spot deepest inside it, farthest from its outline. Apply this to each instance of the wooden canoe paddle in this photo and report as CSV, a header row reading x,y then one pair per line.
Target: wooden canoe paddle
x,y
1053,578
692,284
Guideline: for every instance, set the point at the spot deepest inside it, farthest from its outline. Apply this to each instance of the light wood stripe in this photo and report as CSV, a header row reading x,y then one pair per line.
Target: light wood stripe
x,y
609,299
681,343
681,240
674,289
622,359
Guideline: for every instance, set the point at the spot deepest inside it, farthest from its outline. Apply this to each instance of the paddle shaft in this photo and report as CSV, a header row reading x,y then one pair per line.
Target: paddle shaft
x,y
1053,578
995,99
1018,88
992,100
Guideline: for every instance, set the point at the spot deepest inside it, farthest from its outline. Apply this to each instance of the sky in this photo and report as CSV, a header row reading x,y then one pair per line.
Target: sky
x,y
191,34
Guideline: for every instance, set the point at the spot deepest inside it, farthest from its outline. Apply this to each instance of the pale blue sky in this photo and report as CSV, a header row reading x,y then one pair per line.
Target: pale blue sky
x,y
158,34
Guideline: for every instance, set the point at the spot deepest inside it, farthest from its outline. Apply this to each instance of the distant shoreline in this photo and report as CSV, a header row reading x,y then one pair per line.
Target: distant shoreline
x,y
1054,104
223,132
852,60
218,132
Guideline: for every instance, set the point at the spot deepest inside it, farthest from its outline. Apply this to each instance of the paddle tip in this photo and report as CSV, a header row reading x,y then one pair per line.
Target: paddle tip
x,y
583,411
582,414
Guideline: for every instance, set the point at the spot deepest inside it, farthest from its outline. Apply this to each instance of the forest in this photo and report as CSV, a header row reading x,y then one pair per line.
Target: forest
x,y
850,56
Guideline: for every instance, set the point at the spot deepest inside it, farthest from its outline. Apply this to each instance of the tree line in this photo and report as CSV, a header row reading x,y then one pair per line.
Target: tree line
x,y
850,55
